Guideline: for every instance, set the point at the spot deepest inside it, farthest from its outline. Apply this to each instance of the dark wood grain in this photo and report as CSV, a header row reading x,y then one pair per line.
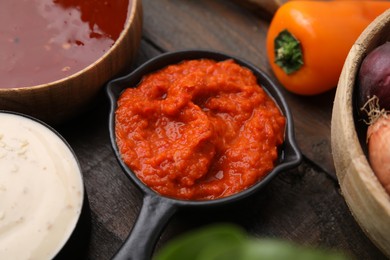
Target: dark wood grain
x,y
264,8
303,205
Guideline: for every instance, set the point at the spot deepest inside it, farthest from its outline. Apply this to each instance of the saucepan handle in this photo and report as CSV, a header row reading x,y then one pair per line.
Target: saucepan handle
x,y
154,215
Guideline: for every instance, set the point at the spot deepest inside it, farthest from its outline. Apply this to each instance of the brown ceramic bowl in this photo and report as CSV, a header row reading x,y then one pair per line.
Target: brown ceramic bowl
x,y
60,100
365,196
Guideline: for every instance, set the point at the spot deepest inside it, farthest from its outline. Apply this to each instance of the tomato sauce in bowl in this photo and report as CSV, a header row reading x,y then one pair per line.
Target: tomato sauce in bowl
x,y
46,40
199,130
191,117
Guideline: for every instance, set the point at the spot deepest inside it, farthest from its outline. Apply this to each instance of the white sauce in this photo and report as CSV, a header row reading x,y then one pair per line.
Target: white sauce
x,y
41,190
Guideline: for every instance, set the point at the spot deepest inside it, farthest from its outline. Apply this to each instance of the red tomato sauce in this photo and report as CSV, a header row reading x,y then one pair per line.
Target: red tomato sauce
x,y
46,40
199,130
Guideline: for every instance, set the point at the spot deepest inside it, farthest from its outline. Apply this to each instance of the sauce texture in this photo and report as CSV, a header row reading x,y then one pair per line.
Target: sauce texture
x,y
41,190
199,130
46,40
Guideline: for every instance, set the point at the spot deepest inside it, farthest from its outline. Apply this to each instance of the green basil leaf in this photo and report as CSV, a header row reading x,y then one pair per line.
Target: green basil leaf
x,y
190,246
228,242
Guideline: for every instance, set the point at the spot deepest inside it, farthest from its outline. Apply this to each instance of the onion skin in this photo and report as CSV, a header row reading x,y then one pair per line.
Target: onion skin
x,y
378,136
374,76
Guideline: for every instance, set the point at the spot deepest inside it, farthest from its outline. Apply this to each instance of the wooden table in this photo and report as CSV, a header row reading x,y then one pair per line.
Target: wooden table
x,y
303,205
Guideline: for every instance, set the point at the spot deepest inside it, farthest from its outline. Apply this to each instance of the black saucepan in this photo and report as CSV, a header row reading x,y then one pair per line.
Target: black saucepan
x,y
156,209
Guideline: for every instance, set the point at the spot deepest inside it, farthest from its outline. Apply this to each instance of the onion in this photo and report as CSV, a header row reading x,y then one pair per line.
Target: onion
x,y
378,139
374,76
374,100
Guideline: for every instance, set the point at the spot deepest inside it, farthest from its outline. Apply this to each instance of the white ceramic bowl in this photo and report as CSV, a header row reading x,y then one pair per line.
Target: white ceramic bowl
x,y
42,194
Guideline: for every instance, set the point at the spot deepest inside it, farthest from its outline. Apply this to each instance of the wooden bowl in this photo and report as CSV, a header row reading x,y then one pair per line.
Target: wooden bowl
x,y
60,100
365,196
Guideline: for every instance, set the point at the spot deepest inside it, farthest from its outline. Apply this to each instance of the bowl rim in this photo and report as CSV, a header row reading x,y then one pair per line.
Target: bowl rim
x,y
133,8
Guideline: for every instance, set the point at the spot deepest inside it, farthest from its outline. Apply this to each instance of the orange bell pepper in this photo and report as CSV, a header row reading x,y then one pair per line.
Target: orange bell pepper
x,y
308,41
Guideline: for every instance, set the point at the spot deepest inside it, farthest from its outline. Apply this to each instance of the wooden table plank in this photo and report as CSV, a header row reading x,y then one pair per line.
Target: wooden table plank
x,y
264,8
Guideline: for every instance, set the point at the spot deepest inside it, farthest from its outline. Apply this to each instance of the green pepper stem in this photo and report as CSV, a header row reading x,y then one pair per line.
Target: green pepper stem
x,y
288,52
